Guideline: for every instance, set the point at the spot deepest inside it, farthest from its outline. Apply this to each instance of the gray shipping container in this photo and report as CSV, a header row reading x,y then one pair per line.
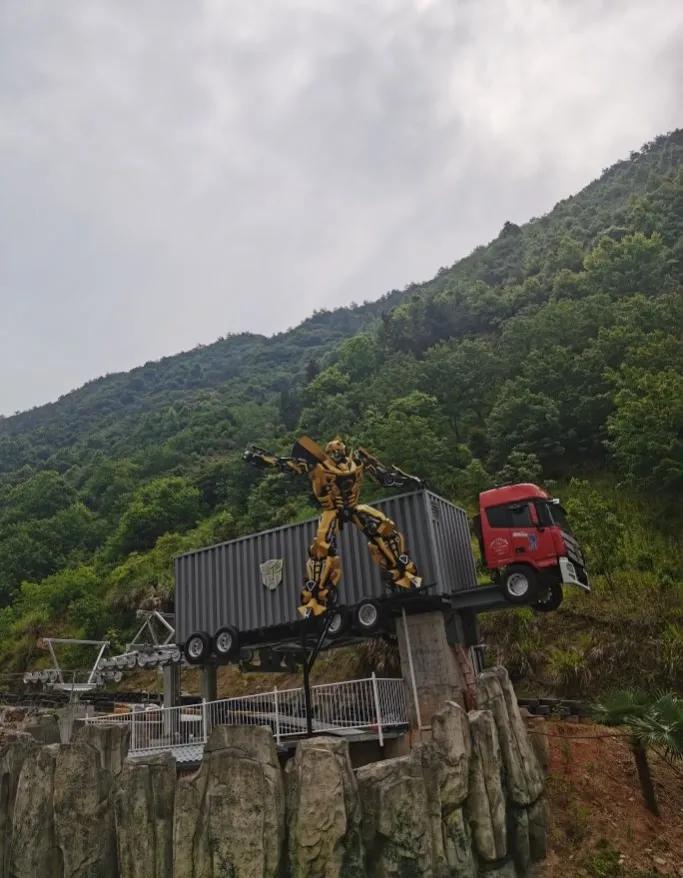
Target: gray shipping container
x,y
222,584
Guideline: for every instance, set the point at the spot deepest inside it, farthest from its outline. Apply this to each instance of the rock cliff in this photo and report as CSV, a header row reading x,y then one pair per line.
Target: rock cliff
x,y
466,801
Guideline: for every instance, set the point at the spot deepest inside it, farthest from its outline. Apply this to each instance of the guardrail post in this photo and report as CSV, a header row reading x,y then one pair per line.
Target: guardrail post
x,y
133,742
205,720
378,709
277,717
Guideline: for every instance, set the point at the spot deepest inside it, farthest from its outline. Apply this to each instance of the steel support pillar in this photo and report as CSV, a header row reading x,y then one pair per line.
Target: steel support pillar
x,y
171,697
209,685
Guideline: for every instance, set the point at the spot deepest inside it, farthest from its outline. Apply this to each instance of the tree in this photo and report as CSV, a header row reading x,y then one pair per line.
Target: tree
x,y
415,435
524,420
162,505
646,429
110,484
655,722
599,530
520,467
464,377
39,497
635,264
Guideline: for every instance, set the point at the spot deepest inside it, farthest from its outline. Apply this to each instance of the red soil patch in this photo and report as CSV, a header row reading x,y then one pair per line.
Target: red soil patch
x,y
600,827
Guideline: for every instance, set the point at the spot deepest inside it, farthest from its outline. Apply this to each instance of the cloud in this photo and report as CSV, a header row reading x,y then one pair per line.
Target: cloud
x,y
171,172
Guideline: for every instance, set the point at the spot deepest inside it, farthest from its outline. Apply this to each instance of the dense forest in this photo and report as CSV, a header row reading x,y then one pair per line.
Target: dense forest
x,y
552,354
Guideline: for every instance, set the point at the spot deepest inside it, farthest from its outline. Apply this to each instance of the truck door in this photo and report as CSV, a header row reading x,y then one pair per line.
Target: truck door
x,y
511,536
523,531
497,537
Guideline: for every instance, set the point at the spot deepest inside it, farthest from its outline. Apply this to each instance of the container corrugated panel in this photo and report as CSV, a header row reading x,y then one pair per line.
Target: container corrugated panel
x,y
222,584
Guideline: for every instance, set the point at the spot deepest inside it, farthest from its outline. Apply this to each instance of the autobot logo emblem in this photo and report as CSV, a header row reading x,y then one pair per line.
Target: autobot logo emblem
x,y
271,573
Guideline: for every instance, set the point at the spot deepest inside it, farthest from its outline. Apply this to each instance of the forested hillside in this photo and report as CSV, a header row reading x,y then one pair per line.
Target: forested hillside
x,y
554,353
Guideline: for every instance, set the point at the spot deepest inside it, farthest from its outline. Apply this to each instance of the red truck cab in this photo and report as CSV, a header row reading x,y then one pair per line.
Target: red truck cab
x,y
527,544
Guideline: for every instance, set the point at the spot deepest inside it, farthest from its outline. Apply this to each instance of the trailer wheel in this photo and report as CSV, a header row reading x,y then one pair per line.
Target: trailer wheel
x,y
550,599
339,622
368,617
198,647
226,642
519,584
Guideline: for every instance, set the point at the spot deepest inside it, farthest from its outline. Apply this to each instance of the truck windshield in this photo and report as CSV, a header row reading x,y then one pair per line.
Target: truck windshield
x,y
559,517
552,515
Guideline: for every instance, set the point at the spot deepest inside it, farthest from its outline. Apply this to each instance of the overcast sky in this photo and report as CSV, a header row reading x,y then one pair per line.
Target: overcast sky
x,y
171,171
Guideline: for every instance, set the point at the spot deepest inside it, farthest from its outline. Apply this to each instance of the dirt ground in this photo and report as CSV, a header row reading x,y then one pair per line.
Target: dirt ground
x,y
600,827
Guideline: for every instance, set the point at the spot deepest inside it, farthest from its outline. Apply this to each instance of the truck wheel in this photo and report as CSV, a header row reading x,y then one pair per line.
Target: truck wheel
x,y
367,617
226,642
519,584
550,600
197,647
339,622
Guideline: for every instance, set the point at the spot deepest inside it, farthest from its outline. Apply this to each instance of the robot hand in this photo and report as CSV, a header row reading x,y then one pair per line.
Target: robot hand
x,y
406,480
256,456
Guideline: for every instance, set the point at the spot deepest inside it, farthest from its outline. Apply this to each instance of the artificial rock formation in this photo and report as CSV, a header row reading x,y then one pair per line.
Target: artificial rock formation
x,y
323,814
62,823
12,758
33,849
143,806
229,818
486,799
110,741
466,801
524,776
82,813
413,817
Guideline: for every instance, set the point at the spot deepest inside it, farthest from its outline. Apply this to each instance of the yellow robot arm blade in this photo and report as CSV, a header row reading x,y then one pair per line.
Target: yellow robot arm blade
x,y
308,449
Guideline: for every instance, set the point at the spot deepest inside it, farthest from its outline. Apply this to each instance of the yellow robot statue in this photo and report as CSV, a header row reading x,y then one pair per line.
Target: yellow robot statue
x,y
336,475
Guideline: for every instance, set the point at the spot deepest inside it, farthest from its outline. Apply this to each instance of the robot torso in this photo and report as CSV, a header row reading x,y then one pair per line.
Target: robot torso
x,y
337,485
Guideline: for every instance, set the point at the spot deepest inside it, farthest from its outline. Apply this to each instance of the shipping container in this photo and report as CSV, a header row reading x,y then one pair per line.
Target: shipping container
x,y
253,583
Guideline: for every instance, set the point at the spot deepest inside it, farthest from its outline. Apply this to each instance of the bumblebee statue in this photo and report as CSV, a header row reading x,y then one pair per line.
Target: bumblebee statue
x,y
336,475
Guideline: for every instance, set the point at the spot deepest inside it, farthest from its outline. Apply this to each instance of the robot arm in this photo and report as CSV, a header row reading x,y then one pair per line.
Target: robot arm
x,y
260,458
387,476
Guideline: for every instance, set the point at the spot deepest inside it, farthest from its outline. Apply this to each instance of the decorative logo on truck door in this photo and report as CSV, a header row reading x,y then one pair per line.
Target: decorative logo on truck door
x,y
271,573
499,546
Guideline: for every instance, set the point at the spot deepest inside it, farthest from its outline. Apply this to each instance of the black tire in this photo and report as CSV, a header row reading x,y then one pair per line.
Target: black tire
x,y
197,648
519,584
339,623
226,642
368,617
550,599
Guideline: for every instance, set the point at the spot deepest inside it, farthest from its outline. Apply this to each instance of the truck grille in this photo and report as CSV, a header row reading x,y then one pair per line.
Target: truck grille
x,y
573,551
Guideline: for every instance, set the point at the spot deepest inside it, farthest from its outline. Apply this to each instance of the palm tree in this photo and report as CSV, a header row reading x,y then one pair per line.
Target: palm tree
x,y
654,723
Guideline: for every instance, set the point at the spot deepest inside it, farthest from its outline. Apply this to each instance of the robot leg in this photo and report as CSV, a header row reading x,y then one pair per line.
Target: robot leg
x,y
323,568
387,547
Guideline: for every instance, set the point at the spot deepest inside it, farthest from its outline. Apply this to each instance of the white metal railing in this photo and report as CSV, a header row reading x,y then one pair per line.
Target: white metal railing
x,y
372,705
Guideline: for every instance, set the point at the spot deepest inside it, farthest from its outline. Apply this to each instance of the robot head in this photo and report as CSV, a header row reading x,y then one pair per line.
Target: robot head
x,y
336,450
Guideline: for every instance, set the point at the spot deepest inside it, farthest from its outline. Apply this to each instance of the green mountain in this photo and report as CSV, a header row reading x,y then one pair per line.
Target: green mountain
x,y
553,353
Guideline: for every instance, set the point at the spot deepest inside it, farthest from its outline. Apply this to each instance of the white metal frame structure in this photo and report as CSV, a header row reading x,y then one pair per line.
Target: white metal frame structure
x,y
371,707
54,676
150,617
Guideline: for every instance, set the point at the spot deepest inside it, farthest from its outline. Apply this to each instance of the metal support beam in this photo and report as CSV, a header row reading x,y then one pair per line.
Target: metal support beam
x,y
171,698
209,685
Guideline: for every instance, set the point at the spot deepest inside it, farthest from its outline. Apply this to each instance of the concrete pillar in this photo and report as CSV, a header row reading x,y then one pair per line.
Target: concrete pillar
x,y
209,685
428,666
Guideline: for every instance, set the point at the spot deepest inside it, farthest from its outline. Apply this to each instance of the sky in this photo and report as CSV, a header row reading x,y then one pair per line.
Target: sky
x,y
173,171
